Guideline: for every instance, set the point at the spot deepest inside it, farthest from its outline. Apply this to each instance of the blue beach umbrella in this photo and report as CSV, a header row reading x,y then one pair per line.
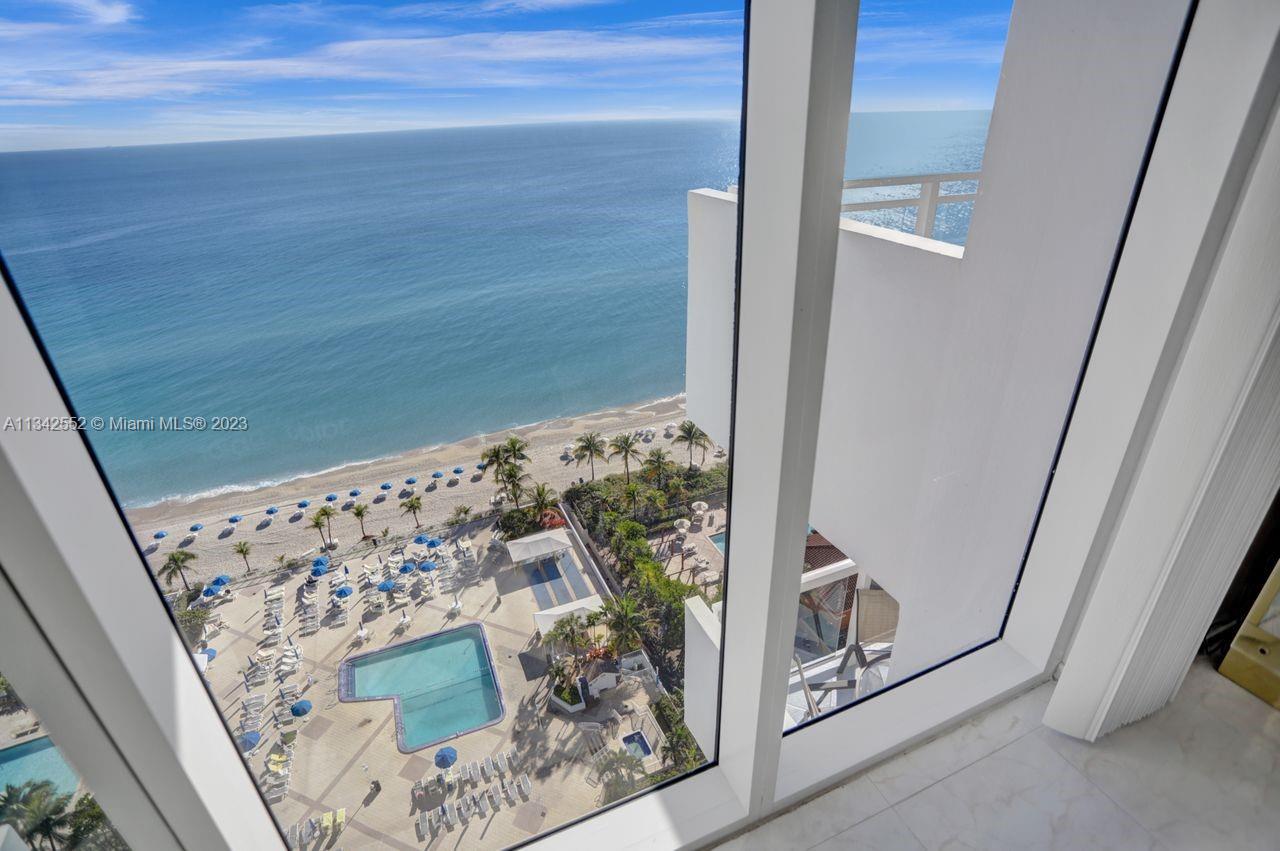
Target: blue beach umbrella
x,y
481,467
433,543
412,480
304,503
159,535
446,757
249,740
220,580
420,539
210,652
302,707
333,497
196,527
209,592
273,511
353,492
318,571
386,585
234,518
386,486
437,475
320,561
408,567
458,471
426,566
344,592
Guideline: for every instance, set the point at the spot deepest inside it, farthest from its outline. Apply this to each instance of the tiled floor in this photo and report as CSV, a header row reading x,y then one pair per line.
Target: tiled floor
x,y
1202,774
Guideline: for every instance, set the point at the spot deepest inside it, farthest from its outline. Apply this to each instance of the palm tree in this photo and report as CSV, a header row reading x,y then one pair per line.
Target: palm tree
x,y
569,632
242,549
514,449
656,464
176,565
492,458
358,511
695,438
47,815
461,514
412,505
544,497
327,512
628,446
511,480
632,492
14,799
654,499
319,522
626,623
588,447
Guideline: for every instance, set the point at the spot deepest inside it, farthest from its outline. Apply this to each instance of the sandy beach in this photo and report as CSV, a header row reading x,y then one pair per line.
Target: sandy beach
x,y
289,533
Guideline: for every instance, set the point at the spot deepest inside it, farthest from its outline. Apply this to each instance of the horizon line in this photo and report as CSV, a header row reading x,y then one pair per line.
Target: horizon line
x,y
459,126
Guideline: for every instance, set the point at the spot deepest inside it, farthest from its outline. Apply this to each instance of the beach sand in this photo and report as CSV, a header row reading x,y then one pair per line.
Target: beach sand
x,y
289,533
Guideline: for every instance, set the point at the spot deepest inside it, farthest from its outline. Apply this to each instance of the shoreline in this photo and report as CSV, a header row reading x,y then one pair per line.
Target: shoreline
x,y
289,534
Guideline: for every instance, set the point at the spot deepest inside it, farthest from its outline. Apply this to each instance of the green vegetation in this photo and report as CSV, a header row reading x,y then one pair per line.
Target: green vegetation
x,y
694,438
626,446
191,622
621,773
359,511
91,829
412,505
618,515
40,815
242,549
589,447
319,522
680,751
461,514
176,567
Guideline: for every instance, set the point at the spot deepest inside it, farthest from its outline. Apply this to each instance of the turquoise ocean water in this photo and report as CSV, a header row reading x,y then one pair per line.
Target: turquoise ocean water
x,y
357,296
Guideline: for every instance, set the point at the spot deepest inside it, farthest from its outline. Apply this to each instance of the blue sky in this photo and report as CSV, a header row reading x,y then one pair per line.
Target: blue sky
x,y
77,73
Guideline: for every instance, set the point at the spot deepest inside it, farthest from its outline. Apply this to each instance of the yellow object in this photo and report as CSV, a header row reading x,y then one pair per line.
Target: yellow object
x,y
340,820
326,823
1253,662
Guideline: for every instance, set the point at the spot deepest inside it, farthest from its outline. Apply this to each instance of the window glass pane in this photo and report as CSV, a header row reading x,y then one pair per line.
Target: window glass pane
x,y
43,801
376,316
924,81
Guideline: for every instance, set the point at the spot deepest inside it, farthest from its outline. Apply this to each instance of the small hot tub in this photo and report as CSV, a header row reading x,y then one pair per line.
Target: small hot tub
x,y
637,745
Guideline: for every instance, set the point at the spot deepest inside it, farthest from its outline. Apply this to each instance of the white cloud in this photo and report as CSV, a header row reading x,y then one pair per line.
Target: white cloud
x,y
105,12
488,8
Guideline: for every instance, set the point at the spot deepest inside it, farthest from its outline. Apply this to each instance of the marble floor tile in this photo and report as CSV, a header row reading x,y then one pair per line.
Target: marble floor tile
x,y
816,820
885,831
1024,796
908,773
1204,772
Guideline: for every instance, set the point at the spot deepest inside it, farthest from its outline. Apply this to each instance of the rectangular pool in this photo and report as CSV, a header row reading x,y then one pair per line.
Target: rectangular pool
x,y
37,759
443,685
718,540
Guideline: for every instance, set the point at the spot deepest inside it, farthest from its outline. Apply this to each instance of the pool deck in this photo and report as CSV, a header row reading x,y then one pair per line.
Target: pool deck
x,y
342,746
699,536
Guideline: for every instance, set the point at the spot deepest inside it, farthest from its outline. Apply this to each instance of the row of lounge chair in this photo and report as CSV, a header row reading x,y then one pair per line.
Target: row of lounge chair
x,y
478,803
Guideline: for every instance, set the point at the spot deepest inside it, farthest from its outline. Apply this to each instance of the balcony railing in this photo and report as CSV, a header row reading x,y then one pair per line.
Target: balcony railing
x,y
928,200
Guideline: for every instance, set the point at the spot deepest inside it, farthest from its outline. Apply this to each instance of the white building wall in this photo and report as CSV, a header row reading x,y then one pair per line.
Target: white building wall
x,y
701,671
950,372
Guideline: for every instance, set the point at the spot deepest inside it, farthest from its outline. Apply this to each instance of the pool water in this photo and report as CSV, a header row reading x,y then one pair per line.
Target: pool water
x,y
718,540
637,745
443,684
37,760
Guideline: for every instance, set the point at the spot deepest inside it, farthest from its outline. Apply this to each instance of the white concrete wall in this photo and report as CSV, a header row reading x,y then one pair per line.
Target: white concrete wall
x,y
701,672
950,373
709,345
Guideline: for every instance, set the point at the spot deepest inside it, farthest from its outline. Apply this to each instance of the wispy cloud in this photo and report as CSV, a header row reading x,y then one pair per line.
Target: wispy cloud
x,y
975,39
104,12
489,8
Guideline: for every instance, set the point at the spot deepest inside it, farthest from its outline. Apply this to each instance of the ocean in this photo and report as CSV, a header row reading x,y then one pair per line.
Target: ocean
x,y
357,296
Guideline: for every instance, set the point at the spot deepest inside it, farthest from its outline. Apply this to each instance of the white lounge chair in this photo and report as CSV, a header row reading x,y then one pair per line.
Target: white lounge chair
x,y
482,805
526,788
501,762
448,813
424,826
495,796
509,789
487,769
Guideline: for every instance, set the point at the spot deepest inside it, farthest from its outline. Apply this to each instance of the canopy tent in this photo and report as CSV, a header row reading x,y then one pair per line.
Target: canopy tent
x,y
546,619
538,546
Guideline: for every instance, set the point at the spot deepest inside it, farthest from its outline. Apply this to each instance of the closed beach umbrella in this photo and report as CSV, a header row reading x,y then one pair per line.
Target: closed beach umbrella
x,y
304,503
386,486
408,567
220,580
302,707
318,571
333,497
272,511
420,539
159,535
412,480
458,471
353,492
209,592
344,592
249,740
210,652
427,566
446,757
196,527
438,474
386,585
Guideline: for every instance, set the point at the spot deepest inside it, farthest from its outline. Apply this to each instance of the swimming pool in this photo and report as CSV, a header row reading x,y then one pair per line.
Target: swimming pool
x,y
37,760
637,745
443,685
718,540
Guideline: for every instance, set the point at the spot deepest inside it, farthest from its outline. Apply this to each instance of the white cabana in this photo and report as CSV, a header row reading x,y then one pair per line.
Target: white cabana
x,y
538,546
546,619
